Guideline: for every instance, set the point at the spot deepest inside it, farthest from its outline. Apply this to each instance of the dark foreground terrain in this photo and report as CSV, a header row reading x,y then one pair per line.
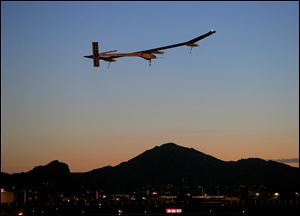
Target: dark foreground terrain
x,y
209,209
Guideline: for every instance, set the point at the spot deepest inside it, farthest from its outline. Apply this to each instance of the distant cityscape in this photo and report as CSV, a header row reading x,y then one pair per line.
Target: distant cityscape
x,y
164,199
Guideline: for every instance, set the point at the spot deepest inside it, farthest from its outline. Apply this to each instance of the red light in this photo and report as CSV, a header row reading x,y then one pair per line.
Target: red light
x,y
173,210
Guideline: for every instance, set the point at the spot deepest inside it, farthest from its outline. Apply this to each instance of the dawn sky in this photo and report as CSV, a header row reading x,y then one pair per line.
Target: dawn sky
x,y
236,96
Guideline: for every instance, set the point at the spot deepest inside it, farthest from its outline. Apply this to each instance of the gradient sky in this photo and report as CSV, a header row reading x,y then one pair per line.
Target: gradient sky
x,y
236,96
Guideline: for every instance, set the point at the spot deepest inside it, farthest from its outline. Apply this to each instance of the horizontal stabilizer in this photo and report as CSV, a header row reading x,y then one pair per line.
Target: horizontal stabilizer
x,y
109,51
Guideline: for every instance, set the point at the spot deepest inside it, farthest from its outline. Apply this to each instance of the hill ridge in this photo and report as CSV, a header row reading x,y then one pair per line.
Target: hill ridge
x,y
168,163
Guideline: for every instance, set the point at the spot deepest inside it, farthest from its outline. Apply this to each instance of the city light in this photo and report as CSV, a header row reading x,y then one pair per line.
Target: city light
x,y
173,210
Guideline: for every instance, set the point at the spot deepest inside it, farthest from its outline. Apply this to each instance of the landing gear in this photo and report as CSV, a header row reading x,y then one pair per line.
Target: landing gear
x,y
191,50
149,62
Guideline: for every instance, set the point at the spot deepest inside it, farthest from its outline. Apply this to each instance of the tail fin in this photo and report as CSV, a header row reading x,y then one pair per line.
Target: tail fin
x,y
96,54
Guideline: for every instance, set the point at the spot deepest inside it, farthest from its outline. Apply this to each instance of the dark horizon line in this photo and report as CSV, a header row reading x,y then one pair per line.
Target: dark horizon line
x,y
284,160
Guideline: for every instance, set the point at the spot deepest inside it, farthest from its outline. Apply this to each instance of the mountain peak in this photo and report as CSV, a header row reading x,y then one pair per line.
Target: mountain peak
x,y
55,167
170,145
173,147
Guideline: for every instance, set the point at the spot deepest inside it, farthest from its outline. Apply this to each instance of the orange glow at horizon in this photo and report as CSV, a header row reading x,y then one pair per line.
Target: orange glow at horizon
x,y
92,154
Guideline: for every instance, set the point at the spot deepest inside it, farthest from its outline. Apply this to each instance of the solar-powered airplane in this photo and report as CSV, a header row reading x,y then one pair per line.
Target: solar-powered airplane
x,y
110,56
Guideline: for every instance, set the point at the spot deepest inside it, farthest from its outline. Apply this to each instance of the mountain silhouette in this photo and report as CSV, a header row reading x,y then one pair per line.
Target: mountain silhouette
x,y
169,163
54,169
56,173
166,164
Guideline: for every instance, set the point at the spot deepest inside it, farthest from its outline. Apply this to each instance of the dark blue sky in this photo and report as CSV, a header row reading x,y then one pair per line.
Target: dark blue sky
x,y
235,96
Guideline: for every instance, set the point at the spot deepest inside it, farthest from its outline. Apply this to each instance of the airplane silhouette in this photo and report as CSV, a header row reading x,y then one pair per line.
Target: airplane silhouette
x,y
110,56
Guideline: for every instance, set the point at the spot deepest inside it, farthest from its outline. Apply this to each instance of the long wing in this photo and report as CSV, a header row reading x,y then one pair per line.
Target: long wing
x,y
187,43
110,56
